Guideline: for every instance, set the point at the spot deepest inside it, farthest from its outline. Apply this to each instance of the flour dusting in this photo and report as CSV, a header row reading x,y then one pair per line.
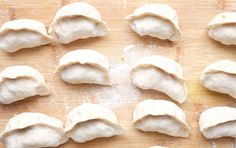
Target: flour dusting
x,y
122,92
133,53
28,106
213,144
234,146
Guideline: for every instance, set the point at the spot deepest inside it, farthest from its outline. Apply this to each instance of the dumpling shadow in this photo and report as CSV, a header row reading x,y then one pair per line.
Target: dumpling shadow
x,y
27,51
227,99
81,42
102,141
221,45
159,136
89,91
220,140
154,94
148,39
84,85
20,103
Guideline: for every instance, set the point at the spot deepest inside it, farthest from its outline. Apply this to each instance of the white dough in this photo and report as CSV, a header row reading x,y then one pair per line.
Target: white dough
x,y
156,20
22,33
222,28
90,121
158,116
218,122
20,82
78,20
33,130
220,77
84,66
161,74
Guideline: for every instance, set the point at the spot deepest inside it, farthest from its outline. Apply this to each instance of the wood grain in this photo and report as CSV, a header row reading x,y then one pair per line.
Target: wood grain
x,y
195,51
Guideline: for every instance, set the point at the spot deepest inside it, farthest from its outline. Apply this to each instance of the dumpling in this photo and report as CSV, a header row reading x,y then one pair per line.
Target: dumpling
x,y
90,121
84,66
158,116
161,74
218,122
155,20
20,82
22,33
78,20
33,130
220,77
223,28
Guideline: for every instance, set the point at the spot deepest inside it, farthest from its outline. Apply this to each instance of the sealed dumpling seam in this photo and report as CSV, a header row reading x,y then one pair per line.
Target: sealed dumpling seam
x,y
78,20
218,122
22,33
90,121
84,66
161,74
220,77
20,82
33,130
222,28
156,20
159,116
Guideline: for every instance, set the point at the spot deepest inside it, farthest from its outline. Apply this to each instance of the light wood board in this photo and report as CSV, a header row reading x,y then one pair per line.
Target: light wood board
x,y
195,51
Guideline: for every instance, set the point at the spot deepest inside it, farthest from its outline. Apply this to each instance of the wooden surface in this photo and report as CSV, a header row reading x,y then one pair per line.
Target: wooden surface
x,y
195,51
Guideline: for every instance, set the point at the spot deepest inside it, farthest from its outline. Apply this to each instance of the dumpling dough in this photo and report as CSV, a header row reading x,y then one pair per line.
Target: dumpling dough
x,y
22,33
218,122
84,66
220,77
223,28
161,116
156,20
161,74
33,130
78,20
20,82
90,121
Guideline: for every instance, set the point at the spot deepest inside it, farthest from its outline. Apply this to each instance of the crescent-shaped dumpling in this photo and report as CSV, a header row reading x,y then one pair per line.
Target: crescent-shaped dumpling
x,y
22,33
84,66
218,122
78,20
20,82
156,20
223,28
161,74
90,121
220,77
33,130
158,116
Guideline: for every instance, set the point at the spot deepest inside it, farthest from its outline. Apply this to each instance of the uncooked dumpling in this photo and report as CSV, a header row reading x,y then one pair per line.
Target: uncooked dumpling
x,y
161,116
33,130
218,122
90,121
22,33
20,82
220,77
156,20
78,20
84,66
161,74
223,28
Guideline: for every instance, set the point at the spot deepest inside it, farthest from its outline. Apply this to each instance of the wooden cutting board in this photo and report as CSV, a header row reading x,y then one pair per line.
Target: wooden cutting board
x,y
195,51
